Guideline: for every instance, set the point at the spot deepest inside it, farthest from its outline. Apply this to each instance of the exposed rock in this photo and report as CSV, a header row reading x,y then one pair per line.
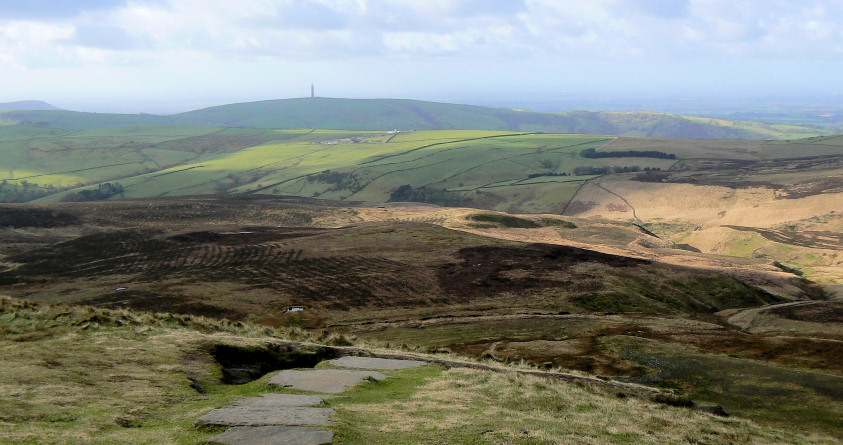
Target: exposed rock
x,y
375,363
323,380
265,416
717,410
275,400
270,409
273,435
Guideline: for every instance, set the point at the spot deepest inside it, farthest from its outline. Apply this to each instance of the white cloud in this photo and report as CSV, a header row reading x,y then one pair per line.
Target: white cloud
x,y
597,29
35,33
23,43
539,37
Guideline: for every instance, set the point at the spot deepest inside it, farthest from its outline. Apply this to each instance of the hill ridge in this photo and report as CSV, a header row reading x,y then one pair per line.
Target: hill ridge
x,y
28,105
411,114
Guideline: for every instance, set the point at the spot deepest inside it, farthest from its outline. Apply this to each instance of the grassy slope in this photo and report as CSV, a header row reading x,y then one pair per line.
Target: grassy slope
x,y
650,124
78,375
485,169
369,114
472,169
388,114
45,161
719,194
48,157
75,120
97,376
156,161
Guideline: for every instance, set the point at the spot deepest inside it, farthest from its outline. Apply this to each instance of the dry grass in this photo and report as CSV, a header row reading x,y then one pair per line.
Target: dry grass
x,y
698,218
81,375
107,344
84,375
464,406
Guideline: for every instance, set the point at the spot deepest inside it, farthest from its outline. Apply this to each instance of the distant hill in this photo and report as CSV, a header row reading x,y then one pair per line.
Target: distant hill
x,y
27,105
76,120
372,114
388,114
401,114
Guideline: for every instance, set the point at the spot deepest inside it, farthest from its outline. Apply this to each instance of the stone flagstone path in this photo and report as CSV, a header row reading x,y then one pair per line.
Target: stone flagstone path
x,y
279,419
323,380
274,435
374,363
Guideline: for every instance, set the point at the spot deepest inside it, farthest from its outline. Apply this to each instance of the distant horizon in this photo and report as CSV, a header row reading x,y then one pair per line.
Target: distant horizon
x,y
710,106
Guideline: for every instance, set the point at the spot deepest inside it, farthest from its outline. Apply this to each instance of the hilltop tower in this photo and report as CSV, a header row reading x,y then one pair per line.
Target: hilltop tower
x,y
312,92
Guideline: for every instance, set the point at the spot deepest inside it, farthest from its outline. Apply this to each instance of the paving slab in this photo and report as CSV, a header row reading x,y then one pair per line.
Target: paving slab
x,y
375,363
277,400
263,415
273,435
323,380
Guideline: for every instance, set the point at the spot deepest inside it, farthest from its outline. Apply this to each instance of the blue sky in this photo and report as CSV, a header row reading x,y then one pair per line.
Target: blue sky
x,y
174,55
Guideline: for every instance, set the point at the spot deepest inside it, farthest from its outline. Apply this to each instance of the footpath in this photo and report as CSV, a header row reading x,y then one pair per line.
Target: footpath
x,y
295,419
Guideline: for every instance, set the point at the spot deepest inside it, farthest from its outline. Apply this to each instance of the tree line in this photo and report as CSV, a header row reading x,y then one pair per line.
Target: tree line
x,y
590,170
102,192
592,153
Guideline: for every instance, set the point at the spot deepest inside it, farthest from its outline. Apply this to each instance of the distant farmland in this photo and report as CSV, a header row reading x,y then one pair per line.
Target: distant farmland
x,y
490,169
507,171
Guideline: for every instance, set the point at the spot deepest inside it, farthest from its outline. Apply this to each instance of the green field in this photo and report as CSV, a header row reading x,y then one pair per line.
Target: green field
x,y
485,168
498,170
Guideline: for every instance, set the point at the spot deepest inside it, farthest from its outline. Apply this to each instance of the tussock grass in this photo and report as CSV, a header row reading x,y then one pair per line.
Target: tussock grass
x,y
432,405
58,316
84,375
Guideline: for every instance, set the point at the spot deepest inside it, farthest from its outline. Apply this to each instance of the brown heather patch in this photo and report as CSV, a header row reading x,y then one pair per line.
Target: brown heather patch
x,y
811,352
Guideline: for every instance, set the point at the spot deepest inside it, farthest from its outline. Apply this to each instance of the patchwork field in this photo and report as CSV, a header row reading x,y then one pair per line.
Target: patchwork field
x,y
504,171
519,170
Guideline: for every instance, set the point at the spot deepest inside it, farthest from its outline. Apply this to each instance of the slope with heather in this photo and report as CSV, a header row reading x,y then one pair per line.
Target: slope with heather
x,y
100,376
594,296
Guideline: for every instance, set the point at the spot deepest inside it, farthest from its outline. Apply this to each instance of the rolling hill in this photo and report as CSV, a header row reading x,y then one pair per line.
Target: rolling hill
x,y
795,183
389,114
671,252
29,105
519,172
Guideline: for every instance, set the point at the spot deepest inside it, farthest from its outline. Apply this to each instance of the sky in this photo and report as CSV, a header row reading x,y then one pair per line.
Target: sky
x,y
167,56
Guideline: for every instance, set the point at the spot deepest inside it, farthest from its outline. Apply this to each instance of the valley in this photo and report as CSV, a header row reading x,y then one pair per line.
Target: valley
x,y
708,269
311,222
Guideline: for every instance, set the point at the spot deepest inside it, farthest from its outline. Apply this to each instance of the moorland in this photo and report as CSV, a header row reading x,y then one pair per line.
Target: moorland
x,y
708,268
